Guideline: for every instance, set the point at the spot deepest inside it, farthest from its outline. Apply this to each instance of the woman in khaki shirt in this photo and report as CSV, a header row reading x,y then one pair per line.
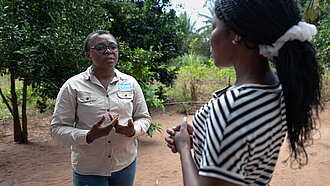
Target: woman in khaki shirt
x,y
98,114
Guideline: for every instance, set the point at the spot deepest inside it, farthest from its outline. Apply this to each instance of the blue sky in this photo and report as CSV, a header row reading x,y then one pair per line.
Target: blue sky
x,y
193,8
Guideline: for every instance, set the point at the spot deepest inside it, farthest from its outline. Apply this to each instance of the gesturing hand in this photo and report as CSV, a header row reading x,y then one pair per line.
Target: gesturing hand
x,y
182,138
98,131
172,131
127,130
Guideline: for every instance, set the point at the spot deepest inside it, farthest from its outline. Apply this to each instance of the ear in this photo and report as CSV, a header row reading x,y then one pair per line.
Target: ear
x,y
237,39
87,54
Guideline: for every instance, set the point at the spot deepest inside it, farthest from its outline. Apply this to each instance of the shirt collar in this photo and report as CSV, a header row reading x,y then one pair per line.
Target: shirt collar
x,y
88,75
219,92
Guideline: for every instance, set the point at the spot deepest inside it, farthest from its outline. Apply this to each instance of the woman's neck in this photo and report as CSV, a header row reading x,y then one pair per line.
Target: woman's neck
x,y
256,71
104,75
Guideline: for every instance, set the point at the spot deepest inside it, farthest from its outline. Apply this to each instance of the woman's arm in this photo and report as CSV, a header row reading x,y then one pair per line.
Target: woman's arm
x,y
141,117
61,127
182,144
189,170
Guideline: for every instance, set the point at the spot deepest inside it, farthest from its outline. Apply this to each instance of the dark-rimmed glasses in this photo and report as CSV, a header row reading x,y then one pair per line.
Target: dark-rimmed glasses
x,y
101,48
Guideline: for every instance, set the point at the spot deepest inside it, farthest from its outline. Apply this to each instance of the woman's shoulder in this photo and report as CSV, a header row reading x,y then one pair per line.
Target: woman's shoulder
x,y
250,90
233,96
124,76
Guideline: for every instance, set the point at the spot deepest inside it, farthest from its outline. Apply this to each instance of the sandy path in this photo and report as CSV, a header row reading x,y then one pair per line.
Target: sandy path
x,y
42,162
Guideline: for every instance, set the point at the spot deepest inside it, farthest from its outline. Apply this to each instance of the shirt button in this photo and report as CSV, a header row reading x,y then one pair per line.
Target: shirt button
x,y
109,141
109,156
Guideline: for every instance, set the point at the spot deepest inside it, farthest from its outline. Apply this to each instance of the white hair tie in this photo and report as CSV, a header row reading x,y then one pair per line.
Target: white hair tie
x,y
302,32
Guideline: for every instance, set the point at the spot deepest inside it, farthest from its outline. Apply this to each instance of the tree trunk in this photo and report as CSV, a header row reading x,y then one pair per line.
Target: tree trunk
x,y
17,126
193,91
24,116
229,83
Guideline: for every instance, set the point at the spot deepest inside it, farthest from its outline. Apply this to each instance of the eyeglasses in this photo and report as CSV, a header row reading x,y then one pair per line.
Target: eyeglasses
x,y
102,48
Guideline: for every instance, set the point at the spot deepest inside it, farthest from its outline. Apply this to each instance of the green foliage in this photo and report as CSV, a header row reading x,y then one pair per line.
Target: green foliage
x,y
197,80
155,127
186,108
42,41
138,63
196,41
321,41
32,98
189,59
186,24
193,75
145,23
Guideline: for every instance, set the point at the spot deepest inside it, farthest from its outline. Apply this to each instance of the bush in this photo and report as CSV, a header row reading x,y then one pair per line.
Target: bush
x,y
196,80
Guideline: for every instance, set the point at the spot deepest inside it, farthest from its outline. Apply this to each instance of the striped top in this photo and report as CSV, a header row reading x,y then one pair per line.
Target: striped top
x,y
238,134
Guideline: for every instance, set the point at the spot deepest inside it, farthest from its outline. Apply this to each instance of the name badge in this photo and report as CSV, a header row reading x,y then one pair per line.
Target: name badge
x,y
124,86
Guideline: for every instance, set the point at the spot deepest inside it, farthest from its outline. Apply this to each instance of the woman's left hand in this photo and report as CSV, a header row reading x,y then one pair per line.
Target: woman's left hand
x,y
127,130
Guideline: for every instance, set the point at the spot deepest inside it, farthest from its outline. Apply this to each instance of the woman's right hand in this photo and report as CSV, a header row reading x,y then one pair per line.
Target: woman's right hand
x,y
172,131
98,131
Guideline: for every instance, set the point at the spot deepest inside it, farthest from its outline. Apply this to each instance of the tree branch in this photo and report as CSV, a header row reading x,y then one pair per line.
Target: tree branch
x,y
6,102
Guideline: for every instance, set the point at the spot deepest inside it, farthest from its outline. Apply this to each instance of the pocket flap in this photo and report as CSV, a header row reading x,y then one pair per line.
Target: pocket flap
x,y
125,94
86,98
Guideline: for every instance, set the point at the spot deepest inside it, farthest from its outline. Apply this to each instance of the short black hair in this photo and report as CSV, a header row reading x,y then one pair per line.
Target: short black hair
x,y
97,32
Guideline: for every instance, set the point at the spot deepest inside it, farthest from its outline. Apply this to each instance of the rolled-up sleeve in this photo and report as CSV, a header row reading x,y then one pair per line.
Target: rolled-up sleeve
x,y
141,115
62,124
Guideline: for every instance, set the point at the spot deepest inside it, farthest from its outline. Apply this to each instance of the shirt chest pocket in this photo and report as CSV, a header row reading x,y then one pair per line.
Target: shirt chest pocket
x,y
86,99
125,99
125,95
87,103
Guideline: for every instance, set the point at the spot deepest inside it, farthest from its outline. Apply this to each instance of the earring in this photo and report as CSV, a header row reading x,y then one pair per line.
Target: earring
x,y
234,42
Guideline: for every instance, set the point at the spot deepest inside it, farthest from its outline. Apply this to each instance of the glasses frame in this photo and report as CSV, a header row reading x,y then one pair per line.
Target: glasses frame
x,y
106,48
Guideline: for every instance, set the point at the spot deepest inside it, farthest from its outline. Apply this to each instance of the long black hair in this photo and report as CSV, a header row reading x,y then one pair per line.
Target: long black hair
x,y
263,22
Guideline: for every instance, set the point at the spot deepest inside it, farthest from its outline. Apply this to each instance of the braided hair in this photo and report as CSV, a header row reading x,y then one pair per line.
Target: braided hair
x,y
262,22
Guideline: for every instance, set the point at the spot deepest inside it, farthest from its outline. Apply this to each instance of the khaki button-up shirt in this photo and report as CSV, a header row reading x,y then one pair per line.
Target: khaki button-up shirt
x,y
80,103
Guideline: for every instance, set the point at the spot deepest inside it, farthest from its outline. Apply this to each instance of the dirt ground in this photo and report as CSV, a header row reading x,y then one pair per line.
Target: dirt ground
x,y
43,162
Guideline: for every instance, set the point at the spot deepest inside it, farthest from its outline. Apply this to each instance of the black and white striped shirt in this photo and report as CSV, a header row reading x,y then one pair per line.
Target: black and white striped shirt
x,y
238,134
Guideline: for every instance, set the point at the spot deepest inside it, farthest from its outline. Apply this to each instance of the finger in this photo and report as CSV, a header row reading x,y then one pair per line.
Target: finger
x,y
184,125
176,127
174,150
130,123
114,121
169,140
170,131
110,116
169,146
100,121
190,128
110,126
